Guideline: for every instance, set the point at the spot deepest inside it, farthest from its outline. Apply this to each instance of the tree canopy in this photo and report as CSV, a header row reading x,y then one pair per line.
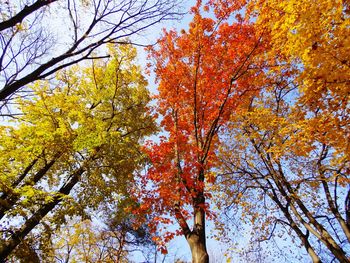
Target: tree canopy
x,y
75,146
252,114
41,37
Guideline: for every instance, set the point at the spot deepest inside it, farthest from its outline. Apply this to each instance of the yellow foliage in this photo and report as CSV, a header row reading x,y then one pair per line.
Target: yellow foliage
x,y
314,37
94,118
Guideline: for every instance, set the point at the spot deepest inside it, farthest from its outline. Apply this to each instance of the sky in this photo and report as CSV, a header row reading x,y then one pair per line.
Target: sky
x,y
178,248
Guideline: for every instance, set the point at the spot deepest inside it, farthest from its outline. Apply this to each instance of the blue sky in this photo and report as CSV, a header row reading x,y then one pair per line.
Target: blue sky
x,y
178,247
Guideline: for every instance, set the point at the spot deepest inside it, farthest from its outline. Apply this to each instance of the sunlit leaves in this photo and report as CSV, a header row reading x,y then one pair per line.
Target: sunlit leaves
x,y
81,131
315,36
203,74
290,144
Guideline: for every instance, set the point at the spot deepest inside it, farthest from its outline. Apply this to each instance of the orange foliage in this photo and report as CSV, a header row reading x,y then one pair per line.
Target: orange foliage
x,y
203,75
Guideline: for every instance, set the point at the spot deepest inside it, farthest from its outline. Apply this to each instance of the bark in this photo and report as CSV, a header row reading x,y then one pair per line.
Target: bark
x,y
8,246
27,10
10,200
347,209
331,202
287,191
304,238
123,20
197,239
313,255
320,232
198,248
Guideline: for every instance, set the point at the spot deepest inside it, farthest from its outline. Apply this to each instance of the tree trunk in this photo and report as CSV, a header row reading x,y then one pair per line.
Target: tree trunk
x,y
10,200
16,238
197,238
313,255
198,248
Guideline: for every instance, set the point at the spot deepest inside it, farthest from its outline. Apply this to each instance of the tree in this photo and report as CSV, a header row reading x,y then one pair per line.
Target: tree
x,y
75,140
31,51
203,73
84,241
283,180
289,150
112,236
313,37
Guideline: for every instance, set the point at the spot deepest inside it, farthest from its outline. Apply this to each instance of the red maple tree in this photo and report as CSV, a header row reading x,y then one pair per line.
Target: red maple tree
x,y
203,75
